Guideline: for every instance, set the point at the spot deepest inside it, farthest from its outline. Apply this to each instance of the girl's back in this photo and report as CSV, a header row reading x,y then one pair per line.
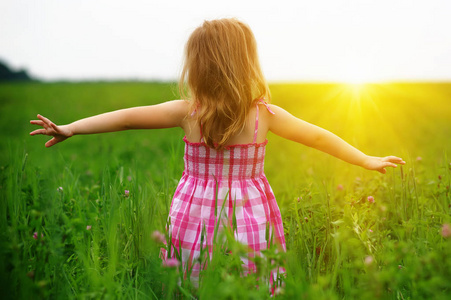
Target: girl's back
x,y
193,130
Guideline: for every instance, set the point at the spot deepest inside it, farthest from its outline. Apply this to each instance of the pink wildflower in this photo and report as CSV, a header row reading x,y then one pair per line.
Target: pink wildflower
x,y
158,237
419,158
340,187
127,193
446,230
171,263
35,235
88,227
370,199
370,230
369,260
60,189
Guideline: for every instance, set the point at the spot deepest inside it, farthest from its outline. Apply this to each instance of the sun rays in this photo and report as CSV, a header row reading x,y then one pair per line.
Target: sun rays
x,y
363,114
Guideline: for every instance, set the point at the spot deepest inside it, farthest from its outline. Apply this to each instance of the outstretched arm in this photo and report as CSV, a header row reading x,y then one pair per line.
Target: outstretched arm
x,y
287,126
164,115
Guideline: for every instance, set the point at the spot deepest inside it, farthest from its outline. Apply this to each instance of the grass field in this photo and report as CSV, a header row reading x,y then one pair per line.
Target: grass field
x,y
69,229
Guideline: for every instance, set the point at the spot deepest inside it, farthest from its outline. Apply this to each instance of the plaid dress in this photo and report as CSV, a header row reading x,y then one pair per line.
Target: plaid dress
x,y
231,181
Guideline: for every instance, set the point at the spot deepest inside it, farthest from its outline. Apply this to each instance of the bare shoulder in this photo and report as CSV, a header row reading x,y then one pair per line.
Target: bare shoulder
x,y
267,115
276,109
179,107
276,115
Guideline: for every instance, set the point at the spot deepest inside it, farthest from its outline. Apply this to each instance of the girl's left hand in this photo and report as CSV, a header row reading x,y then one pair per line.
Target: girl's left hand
x,y
380,163
59,133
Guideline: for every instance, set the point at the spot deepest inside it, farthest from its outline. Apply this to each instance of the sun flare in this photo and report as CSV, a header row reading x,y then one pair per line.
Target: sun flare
x,y
357,82
354,74
356,88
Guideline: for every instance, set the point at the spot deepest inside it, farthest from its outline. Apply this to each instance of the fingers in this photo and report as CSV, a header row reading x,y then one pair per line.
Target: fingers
x,y
37,122
45,120
47,124
51,142
383,171
38,131
398,160
45,129
49,128
53,125
394,159
390,161
389,164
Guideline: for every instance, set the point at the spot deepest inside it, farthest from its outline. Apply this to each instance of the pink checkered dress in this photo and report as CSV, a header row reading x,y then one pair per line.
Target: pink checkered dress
x,y
235,176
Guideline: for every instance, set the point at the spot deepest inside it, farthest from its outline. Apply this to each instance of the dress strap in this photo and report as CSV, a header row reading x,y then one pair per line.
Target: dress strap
x,y
200,130
267,106
256,117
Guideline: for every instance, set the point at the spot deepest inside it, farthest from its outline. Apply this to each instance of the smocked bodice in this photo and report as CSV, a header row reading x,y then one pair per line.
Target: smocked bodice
x,y
236,162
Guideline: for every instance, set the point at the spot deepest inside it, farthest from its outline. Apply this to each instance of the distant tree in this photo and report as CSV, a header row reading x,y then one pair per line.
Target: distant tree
x,y
6,74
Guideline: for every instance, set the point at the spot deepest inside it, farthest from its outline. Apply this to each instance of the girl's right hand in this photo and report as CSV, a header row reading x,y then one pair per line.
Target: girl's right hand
x,y
59,133
380,163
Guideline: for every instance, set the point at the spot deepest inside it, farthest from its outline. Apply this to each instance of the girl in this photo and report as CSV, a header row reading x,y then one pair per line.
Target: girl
x,y
225,120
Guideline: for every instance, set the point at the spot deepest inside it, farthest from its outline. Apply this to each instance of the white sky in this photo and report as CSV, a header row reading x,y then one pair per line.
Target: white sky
x,y
333,40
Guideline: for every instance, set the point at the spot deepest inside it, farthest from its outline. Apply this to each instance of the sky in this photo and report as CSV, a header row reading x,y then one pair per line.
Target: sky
x,y
321,40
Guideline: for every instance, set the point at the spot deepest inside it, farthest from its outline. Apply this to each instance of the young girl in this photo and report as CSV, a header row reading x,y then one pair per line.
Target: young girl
x,y
225,119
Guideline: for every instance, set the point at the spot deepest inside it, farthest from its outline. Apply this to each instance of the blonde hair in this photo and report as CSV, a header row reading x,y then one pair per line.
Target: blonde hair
x,y
223,76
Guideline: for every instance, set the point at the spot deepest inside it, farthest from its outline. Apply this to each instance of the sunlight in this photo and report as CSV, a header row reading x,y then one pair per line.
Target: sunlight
x,y
354,74
357,92
357,81
356,88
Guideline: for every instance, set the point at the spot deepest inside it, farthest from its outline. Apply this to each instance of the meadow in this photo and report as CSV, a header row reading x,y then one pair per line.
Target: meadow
x,y
77,220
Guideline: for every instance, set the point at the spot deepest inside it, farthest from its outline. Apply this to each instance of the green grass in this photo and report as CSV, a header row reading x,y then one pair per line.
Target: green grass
x,y
340,246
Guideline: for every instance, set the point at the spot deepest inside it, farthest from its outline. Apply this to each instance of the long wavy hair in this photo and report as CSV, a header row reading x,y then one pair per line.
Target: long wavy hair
x,y
222,78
